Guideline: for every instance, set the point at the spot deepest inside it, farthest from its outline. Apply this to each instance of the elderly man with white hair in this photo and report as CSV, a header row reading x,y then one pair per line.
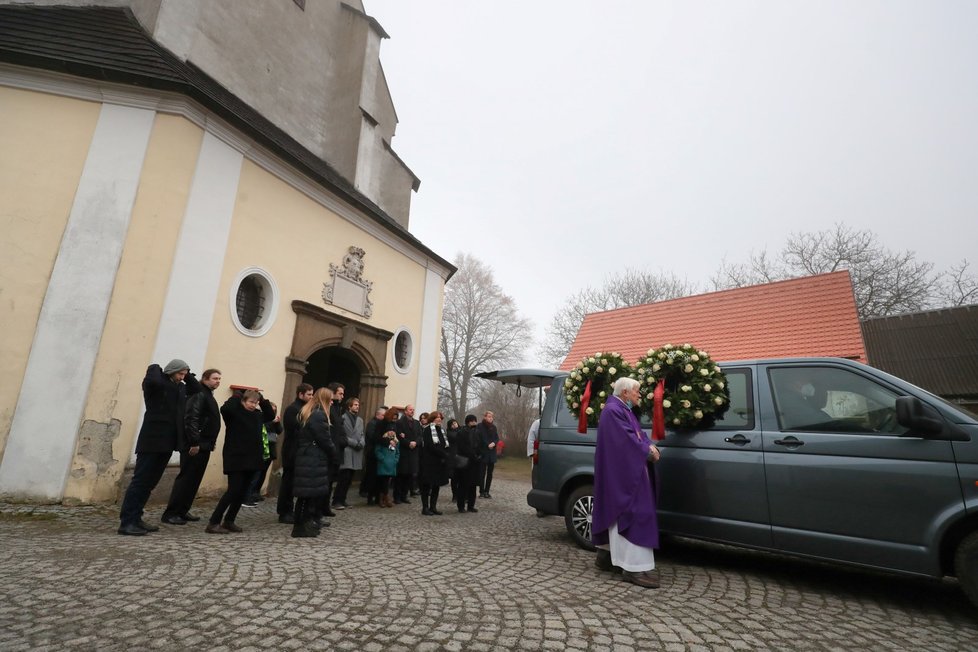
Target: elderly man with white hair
x,y
624,526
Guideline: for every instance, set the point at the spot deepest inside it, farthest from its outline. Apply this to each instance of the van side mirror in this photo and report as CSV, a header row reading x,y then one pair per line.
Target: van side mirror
x,y
918,416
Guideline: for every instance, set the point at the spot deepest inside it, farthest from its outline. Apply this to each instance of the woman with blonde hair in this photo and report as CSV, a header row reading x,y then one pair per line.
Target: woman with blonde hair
x,y
314,454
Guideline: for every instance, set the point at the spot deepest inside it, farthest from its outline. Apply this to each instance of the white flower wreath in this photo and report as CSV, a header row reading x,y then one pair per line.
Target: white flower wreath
x,y
602,369
696,390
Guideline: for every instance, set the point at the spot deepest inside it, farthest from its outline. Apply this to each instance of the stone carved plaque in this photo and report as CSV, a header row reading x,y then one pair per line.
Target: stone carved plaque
x,y
347,289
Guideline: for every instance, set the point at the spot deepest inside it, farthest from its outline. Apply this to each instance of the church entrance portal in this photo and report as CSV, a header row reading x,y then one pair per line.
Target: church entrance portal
x,y
334,365
327,348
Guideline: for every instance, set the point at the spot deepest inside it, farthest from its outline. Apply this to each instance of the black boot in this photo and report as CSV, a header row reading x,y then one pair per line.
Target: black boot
x,y
424,505
301,528
433,502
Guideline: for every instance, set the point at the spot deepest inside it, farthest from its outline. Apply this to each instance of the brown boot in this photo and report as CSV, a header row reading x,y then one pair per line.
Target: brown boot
x,y
645,579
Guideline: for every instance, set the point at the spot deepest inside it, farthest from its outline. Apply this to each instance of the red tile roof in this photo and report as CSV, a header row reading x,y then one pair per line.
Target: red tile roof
x,y
808,316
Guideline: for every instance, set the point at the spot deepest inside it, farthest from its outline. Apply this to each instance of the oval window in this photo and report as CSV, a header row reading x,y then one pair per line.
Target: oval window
x,y
254,301
403,350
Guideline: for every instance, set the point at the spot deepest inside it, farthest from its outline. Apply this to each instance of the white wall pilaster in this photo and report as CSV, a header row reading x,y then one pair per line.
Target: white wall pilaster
x,y
54,391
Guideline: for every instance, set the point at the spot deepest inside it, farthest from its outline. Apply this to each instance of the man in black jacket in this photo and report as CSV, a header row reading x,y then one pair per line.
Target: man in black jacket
x,y
290,424
165,392
201,426
409,439
489,438
339,443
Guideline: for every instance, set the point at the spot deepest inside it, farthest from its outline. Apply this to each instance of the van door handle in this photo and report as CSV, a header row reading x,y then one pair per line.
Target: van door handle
x,y
790,442
740,440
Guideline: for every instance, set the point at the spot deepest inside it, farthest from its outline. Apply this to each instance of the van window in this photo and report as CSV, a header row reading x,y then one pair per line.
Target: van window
x,y
827,399
740,414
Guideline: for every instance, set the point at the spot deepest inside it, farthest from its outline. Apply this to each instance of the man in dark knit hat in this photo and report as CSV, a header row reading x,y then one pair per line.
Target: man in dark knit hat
x,y
165,391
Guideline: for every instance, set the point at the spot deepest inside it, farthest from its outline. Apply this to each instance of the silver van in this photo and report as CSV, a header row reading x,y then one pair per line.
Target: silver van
x,y
819,457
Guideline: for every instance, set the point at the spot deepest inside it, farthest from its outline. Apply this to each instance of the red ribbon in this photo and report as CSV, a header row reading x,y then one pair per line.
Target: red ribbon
x,y
658,413
582,415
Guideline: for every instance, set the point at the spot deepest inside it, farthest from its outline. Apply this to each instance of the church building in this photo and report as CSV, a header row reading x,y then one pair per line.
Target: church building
x,y
210,181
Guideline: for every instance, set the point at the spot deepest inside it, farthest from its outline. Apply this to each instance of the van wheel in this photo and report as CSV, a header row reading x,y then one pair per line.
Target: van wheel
x,y
577,515
966,566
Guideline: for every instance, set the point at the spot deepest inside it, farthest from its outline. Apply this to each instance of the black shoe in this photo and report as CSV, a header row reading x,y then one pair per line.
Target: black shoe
x,y
461,510
414,494
427,512
146,526
489,496
435,512
286,518
249,503
173,519
329,513
132,530
473,509
190,517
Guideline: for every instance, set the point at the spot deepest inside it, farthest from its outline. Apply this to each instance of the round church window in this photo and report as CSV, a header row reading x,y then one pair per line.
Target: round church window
x,y
403,350
254,301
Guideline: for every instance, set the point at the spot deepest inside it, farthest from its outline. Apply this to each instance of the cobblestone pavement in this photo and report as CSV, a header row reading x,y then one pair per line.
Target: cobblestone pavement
x,y
501,579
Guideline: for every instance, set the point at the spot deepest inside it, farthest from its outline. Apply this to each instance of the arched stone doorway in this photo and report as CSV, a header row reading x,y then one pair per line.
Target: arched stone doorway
x,y
327,347
334,364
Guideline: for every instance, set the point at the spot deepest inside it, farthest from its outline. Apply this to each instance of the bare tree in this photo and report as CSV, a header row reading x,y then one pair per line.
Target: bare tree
x,y
957,287
628,288
481,330
760,268
514,411
885,282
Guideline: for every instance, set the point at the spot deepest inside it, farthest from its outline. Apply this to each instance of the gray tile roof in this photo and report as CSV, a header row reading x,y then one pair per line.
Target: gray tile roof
x,y
936,349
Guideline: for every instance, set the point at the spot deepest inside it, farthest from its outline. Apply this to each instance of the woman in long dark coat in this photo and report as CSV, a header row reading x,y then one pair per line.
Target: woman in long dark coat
x,y
315,453
433,467
243,455
469,448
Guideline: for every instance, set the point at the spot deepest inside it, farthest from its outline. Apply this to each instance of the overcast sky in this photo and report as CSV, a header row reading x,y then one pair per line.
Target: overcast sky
x,y
563,140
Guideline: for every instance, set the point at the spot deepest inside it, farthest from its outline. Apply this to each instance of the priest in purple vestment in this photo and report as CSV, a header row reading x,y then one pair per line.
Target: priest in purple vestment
x,y
624,526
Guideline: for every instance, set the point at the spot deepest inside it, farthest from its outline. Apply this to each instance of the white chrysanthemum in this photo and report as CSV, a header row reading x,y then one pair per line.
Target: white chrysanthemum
x,y
704,372
602,406
688,368
718,400
590,410
694,358
586,370
686,388
676,421
604,361
665,403
720,384
662,356
656,366
687,404
698,414
707,388
575,405
591,360
602,394
650,395
667,347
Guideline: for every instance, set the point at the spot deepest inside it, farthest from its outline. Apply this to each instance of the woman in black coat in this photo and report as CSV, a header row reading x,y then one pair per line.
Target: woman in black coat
x,y
314,455
243,455
469,448
433,467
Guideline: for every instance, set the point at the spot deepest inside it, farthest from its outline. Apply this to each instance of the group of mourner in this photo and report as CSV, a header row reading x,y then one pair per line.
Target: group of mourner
x,y
323,441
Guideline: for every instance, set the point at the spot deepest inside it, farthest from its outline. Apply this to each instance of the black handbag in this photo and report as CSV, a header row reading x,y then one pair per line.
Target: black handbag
x,y
461,461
